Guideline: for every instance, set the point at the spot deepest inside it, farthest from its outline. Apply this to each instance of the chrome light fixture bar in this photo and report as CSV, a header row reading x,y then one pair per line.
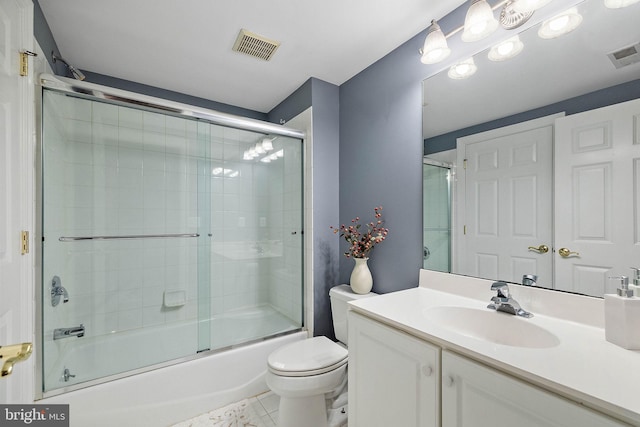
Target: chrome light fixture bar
x,y
479,23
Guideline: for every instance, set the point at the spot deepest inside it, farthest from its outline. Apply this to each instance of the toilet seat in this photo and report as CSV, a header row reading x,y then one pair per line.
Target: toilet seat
x,y
312,356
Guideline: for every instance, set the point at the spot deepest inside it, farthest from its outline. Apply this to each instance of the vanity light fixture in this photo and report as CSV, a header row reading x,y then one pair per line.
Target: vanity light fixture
x,y
506,49
510,18
560,24
261,147
479,21
617,4
462,69
435,47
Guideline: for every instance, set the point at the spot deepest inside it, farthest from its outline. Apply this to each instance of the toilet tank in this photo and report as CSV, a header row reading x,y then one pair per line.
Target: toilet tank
x,y
340,296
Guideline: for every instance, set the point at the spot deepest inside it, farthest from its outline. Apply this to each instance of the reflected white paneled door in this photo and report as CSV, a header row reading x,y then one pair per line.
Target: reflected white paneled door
x,y
16,193
504,200
597,152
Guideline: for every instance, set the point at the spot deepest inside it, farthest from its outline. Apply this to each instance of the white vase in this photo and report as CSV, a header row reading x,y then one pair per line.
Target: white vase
x,y
361,280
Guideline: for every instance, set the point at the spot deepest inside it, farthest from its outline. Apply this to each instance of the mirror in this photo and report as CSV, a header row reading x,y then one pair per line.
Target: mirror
x,y
571,73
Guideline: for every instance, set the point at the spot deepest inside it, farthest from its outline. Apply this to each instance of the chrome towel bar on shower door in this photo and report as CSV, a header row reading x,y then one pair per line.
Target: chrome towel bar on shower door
x,y
133,236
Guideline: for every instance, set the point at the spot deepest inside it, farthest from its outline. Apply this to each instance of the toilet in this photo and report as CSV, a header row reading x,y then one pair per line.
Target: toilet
x,y
310,376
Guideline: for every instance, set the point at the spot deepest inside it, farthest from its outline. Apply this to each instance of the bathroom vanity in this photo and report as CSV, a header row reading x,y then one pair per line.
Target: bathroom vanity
x,y
435,355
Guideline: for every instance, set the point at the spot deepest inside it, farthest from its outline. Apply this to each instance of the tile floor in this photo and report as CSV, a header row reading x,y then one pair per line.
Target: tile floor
x,y
258,411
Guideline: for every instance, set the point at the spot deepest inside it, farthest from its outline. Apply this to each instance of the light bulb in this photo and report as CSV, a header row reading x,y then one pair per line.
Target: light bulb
x,y
560,24
267,145
463,69
507,49
617,4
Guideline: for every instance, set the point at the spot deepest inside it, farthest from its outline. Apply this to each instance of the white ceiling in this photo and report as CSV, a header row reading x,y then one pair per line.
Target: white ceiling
x,y
186,46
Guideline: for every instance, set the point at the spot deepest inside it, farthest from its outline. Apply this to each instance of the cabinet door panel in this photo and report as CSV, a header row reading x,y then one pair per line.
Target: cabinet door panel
x,y
476,396
393,377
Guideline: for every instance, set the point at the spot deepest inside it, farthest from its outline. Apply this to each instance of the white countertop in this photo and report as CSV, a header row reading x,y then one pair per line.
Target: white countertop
x,y
583,366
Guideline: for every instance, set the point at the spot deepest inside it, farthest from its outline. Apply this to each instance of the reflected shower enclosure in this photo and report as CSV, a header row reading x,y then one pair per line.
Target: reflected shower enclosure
x,y
161,238
436,211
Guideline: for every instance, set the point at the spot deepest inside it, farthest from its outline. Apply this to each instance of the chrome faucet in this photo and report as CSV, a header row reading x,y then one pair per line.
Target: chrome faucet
x,y
503,301
76,331
58,291
529,279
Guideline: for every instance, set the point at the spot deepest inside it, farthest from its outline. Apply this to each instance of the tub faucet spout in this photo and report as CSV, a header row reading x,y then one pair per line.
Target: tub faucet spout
x,y
76,331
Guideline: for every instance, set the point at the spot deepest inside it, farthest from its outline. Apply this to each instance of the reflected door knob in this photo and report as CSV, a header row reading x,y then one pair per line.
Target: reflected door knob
x,y
542,249
565,253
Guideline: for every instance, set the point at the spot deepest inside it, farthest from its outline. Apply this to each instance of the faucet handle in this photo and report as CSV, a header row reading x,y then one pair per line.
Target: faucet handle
x,y
502,288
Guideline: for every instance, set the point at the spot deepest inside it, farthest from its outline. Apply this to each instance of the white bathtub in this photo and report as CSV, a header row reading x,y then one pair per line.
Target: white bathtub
x,y
169,394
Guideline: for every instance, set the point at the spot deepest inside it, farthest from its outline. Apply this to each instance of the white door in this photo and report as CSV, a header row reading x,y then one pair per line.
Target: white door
x,y
597,197
504,228
16,194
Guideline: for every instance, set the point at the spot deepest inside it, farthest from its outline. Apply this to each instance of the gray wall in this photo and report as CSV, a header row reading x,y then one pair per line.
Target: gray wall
x,y
381,155
601,98
381,163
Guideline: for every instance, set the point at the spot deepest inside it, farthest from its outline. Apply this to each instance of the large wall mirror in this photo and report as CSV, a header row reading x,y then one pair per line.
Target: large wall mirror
x,y
558,97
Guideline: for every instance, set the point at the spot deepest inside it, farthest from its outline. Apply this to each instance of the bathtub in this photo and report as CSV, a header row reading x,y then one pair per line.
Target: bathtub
x,y
169,393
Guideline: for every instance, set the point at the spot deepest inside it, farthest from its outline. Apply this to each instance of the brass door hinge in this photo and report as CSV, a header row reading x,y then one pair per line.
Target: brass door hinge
x,y
24,242
464,164
464,230
24,62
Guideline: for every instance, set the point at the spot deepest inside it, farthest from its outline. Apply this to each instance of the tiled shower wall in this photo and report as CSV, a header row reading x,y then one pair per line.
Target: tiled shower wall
x,y
114,170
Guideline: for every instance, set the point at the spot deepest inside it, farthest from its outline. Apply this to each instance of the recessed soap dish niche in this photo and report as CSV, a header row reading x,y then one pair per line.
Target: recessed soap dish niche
x,y
174,298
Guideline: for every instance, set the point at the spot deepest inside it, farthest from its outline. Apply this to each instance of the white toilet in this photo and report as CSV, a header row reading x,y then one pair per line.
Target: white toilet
x,y
310,376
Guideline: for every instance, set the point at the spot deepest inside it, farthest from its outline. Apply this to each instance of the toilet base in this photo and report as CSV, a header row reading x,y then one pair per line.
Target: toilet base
x,y
312,410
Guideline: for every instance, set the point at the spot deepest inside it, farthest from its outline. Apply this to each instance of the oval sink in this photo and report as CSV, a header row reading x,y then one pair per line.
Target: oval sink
x,y
492,326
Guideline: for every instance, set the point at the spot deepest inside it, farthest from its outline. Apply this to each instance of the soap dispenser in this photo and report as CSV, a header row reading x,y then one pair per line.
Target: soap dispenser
x,y
622,316
635,283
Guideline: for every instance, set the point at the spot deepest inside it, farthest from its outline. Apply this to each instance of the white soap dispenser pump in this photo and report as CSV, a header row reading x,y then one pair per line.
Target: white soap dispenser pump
x,y
622,316
635,283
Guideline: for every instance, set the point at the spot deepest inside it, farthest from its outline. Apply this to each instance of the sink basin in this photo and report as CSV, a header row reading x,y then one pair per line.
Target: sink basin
x,y
492,326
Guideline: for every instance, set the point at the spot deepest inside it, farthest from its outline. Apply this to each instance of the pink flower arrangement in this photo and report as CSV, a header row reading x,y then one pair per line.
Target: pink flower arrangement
x,y
361,243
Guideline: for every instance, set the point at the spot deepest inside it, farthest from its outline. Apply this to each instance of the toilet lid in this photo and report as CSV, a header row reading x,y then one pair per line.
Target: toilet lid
x,y
312,356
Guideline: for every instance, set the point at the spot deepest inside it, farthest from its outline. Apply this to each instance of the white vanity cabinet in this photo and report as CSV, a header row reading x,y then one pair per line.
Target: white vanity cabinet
x,y
394,378
397,379
474,395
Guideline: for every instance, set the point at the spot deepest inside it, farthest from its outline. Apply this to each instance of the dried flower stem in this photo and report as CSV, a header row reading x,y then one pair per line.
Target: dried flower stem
x,y
362,243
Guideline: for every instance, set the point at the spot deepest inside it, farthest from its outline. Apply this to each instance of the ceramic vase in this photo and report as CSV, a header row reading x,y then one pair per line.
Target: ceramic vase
x,y
361,280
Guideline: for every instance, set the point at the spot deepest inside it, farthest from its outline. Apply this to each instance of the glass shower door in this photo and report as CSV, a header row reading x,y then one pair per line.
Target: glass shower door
x,y
436,187
163,236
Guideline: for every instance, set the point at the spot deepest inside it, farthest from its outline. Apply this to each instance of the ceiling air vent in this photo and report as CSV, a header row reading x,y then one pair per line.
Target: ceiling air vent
x,y
625,56
255,45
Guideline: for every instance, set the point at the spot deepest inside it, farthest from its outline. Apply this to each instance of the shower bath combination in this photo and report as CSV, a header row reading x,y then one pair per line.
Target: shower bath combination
x,y
170,245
